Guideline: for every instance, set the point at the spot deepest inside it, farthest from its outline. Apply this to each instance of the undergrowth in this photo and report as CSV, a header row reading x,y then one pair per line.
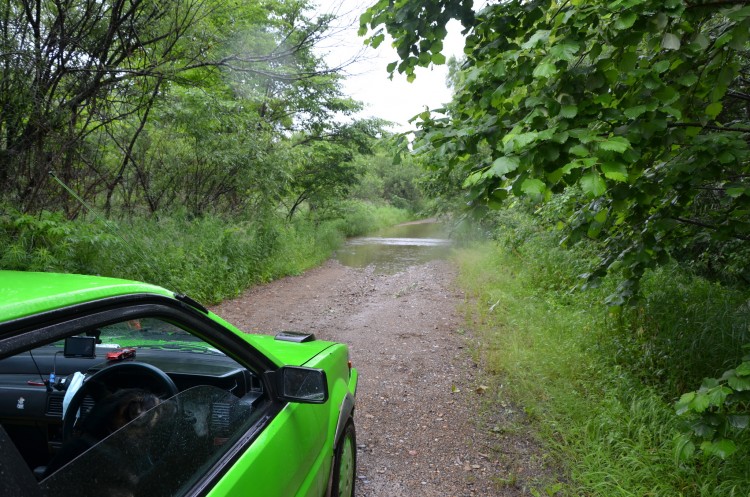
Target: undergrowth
x,y
600,387
209,258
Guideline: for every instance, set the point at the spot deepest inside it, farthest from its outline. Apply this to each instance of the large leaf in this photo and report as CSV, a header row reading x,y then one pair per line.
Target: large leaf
x,y
545,69
684,448
722,448
626,20
533,187
593,184
503,165
615,144
615,171
670,42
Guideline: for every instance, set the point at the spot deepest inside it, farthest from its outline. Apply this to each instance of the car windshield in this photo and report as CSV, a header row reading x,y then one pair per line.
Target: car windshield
x,y
152,333
148,333
164,451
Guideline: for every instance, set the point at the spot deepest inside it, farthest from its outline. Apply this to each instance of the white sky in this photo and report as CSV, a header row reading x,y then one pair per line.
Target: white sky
x,y
394,100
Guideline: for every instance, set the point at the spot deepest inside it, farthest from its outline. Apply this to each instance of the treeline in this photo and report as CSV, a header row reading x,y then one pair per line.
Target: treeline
x,y
143,108
204,145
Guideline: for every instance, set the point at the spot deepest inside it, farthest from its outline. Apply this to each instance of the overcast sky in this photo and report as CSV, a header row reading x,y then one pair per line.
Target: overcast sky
x,y
394,100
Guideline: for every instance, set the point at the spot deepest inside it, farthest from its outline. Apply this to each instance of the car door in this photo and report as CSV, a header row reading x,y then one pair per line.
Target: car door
x,y
287,459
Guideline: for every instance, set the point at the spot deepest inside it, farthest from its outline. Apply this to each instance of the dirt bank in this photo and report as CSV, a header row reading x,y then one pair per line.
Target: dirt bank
x,y
420,429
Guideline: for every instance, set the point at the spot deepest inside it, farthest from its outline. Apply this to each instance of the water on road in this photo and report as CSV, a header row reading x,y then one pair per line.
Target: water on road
x,y
395,249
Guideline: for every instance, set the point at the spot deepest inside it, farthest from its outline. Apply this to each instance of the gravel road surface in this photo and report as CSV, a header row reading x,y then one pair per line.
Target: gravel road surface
x,y
424,427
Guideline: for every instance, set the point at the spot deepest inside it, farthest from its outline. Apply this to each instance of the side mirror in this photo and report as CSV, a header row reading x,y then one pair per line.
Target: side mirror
x,y
302,385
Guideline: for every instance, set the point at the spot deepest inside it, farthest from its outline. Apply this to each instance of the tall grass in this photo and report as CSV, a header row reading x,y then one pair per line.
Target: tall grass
x,y
209,258
587,379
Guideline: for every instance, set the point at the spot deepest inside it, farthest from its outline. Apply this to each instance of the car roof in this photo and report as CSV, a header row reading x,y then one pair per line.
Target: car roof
x,y
25,293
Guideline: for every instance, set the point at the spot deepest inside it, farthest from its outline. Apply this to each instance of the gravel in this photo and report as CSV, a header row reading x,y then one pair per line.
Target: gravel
x,y
429,423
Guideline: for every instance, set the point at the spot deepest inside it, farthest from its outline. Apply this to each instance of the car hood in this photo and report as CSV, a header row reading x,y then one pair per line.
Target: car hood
x,y
287,353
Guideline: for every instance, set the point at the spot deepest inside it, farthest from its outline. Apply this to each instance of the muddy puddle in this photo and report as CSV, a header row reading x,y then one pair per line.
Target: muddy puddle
x,y
397,248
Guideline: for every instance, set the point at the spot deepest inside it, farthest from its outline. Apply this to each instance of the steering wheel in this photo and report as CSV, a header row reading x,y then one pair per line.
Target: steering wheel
x,y
114,377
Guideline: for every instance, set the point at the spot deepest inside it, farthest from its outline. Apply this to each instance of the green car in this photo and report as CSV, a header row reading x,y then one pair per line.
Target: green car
x,y
117,388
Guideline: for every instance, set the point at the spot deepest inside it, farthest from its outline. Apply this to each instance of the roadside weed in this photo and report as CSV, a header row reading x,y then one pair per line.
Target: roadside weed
x,y
593,396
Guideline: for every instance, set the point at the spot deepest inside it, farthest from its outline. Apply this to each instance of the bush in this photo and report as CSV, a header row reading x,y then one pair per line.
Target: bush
x,y
209,258
598,384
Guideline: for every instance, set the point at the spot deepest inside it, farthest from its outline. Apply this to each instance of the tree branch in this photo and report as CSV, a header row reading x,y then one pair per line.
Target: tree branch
x,y
712,127
701,224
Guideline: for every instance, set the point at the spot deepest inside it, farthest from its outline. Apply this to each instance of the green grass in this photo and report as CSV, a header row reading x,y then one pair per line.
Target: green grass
x,y
210,258
579,372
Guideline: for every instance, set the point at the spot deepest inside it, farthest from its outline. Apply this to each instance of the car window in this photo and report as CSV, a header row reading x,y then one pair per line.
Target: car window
x,y
163,452
158,408
146,333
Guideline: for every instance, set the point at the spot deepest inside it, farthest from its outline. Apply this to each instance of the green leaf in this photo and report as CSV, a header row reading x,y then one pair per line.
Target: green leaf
x,y
627,63
670,42
503,165
533,187
565,51
684,448
615,144
683,405
714,109
743,369
717,396
579,150
438,58
375,41
722,448
519,141
539,37
688,79
473,179
661,66
735,190
615,171
625,21
499,69
593,184
545,70
700,402
738,421
636,111
739,15
568,111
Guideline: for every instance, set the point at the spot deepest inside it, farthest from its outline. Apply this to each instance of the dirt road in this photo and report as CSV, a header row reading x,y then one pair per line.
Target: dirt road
x,y
419,428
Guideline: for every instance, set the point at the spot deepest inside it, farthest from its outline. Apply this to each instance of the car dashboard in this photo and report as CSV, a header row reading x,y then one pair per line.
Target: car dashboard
x,y
33,387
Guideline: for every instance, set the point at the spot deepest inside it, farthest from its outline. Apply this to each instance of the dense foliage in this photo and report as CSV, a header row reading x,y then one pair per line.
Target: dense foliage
x,y
211,258
595,387
204,145
144,108
642,105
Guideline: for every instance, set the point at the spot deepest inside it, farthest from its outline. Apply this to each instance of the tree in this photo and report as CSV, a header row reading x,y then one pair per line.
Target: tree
x,y
642,104
71,67
80,81
324,162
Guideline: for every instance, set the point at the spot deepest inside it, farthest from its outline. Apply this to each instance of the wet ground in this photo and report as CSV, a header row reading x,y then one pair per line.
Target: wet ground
x,y
423,428
397,248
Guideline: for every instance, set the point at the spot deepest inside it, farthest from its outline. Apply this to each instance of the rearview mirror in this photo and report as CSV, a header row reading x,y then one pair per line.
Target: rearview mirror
x,y
303,385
